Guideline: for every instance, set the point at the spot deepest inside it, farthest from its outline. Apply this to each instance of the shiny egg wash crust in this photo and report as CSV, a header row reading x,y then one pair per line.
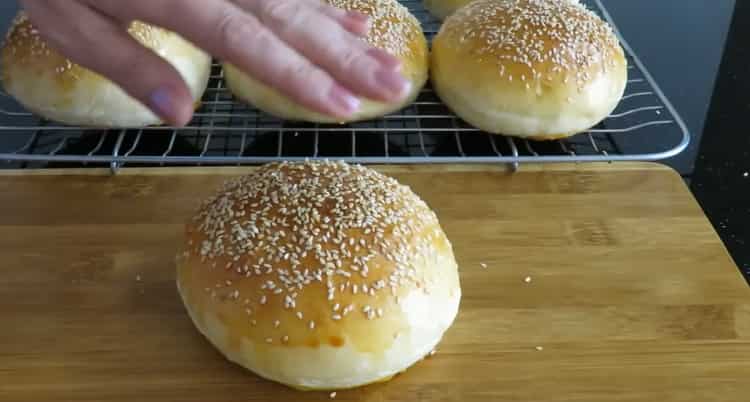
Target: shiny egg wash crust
x,y
393,28
533,41
292,235
25,45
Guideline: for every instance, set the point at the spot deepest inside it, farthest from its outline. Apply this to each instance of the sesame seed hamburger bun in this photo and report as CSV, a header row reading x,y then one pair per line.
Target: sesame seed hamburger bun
x,y
393,29
538,69
319,276
53,87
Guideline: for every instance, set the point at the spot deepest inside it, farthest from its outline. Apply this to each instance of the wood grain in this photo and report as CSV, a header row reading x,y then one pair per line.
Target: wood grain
x,y
632,295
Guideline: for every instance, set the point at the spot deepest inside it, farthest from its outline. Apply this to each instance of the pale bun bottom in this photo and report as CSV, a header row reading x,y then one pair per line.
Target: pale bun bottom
x,y
272,102
94,101
519,112
427,317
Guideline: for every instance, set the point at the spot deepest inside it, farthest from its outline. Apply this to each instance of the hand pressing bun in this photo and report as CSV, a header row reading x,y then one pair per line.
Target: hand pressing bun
x,y
319,276
394,29
53,87
538,69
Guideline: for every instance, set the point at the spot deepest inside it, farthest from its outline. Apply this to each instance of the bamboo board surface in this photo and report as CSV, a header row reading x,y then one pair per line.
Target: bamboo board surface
x,y
632,296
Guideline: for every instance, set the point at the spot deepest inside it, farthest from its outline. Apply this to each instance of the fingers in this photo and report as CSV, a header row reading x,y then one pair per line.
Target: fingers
x,y
367,71
237,36
104,46
353,21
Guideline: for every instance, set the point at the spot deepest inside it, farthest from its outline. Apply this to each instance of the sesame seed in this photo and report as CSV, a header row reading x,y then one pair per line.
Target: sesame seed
x,y
269,340
277,324
312,325
527,279
333,395
539,348
483,265
137,278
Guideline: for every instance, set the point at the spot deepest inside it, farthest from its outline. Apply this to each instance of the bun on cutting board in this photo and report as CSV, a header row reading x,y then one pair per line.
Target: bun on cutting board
x,y
538,69
319,275
48,84
394,29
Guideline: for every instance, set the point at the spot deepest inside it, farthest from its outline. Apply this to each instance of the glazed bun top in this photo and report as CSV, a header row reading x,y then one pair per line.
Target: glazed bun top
x,y
394,28
552,41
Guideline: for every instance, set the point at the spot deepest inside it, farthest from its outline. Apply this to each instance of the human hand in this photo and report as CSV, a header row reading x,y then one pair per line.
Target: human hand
x,y
308,51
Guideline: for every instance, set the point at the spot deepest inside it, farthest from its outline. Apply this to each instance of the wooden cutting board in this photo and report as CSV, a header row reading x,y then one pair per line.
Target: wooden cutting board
x,y
632,296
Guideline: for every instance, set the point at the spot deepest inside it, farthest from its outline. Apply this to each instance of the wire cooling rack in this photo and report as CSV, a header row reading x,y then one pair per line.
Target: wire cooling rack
x,y
645,126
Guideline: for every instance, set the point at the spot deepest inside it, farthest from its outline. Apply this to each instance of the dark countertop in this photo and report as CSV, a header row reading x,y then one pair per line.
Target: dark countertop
x,y
721,178
699,53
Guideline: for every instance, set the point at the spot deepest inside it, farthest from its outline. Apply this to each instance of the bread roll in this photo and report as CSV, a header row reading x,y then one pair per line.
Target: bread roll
x,y
441,9
319,276
394,29
53,87
538,69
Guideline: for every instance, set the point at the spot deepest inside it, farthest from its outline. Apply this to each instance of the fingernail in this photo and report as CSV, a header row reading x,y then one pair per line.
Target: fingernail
x,y
359,17
163,104
393,82
357,23
344,100
386,60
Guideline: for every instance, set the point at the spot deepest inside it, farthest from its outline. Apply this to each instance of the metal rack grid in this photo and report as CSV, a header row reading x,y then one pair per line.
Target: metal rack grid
x,y
226,132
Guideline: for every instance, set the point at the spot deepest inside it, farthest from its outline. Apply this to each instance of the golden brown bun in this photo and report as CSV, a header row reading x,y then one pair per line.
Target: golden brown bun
x,y
319,275
539,69
51,86
441,9
394,29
